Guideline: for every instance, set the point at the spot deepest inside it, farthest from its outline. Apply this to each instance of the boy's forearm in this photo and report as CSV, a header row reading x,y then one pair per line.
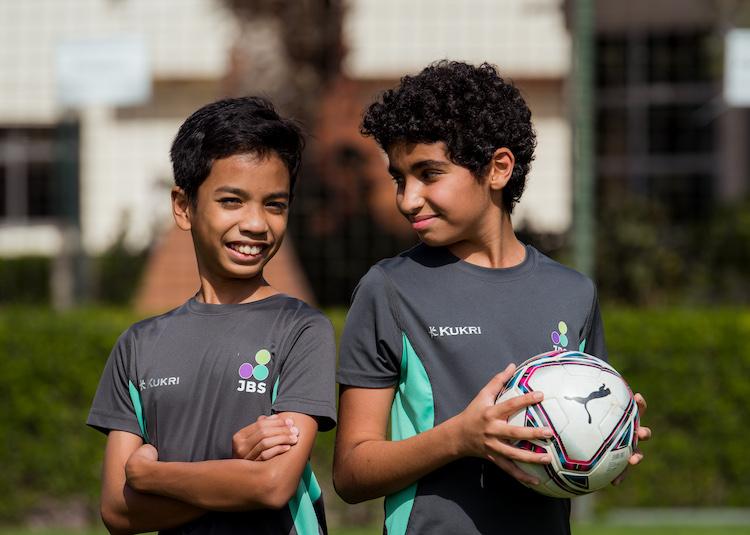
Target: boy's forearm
x,y
376,468
135,512
220,485
125,510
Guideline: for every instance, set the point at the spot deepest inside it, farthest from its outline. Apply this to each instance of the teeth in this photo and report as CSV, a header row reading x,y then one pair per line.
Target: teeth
x,y
248,249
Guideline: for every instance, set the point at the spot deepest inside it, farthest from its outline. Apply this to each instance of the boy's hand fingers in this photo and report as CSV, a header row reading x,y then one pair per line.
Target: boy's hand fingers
x,y
635,458
273,452
641,402
272,426
270,443
146,451
644,433
516,432
246,439
263,427
512,470
261,423
496,384
513,405
517,454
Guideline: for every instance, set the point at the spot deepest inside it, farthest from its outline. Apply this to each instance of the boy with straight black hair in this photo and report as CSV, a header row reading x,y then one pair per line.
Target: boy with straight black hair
x,y
179,390
429,330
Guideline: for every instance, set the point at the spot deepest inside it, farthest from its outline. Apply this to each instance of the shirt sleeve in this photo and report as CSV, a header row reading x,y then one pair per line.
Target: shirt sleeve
x,y
112,408
371,344
593,332
307,377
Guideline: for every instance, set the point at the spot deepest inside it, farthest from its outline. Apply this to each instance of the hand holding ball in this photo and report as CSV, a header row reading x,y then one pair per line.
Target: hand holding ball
x,y
592,413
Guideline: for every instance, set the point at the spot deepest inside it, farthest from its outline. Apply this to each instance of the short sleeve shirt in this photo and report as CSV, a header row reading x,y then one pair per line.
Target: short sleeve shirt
x,y
202,372
439,329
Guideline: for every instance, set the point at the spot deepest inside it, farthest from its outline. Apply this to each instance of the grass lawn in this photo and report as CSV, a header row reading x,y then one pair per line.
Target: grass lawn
x,y
598,529
594,529
591,529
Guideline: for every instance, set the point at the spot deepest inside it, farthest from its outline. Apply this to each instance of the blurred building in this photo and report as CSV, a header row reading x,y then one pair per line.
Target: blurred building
x,y
123,166
118,154
527,40
386,39
662,128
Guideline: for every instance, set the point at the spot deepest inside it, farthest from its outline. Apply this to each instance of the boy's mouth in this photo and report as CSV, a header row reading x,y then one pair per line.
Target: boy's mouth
x,y
422,221
247,250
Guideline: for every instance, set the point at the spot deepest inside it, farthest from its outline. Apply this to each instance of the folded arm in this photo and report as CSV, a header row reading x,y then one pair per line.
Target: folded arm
x,y
125,510
227,484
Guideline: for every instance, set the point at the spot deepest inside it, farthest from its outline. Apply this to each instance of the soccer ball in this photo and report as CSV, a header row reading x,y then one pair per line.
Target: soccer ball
x,y
592,413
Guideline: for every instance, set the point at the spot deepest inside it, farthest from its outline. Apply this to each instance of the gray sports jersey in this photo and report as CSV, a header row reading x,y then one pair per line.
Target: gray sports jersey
x,y
439,329
196,375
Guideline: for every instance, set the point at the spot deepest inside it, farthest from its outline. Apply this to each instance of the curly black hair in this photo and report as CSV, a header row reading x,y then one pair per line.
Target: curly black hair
x,y
471,109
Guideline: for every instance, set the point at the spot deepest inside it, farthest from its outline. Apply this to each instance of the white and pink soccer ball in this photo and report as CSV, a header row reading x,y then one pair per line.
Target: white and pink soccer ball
x,y
592,413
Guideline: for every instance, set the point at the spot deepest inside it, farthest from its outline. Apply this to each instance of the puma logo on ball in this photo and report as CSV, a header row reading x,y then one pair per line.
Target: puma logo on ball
x,y
603,392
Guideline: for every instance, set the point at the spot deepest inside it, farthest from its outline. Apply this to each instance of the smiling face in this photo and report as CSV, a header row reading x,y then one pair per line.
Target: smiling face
x,y
238,218
444,202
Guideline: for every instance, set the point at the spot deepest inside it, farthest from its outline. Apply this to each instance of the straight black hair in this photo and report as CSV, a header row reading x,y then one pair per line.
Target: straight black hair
x,y
246,125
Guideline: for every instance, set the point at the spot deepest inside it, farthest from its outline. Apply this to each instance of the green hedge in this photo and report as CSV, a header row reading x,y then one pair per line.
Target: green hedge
x,y
49,368
25,280
692,366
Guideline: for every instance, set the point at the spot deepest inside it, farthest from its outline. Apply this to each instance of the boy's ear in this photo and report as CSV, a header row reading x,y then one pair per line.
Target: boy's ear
x,y
501,168
182,208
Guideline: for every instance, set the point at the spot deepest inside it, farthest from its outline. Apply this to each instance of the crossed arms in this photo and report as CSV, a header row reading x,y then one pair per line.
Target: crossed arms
x,y
141,493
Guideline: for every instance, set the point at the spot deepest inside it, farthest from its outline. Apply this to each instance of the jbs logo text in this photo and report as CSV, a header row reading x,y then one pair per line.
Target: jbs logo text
x,y
251,386
258,371
453,331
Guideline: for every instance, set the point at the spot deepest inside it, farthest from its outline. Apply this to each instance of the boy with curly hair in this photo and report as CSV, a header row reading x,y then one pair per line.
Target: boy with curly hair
x,y
429,330
179,390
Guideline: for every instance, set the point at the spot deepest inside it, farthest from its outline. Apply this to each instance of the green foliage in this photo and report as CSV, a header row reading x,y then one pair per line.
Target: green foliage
x,y
119,270
49,368
25,280
720,274
645,258
112,280
638,260
691,365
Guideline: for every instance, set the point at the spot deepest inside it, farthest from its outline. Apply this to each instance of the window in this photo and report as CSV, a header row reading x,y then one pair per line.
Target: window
x,y
29,174
656,129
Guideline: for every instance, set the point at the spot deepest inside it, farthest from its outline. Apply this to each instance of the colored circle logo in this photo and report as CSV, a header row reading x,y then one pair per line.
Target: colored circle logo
x,y
246,370
263,356
260,371
559,337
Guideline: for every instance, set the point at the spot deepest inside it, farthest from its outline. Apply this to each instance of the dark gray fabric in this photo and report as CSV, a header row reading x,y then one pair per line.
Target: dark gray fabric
x,y
191,368
466,323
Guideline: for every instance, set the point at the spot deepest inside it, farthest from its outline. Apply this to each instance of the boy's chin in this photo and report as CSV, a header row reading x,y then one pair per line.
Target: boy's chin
x,y
433,241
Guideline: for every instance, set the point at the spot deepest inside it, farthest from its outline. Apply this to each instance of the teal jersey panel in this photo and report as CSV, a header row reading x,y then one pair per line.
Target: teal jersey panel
x,y
308,491
135,397
412,412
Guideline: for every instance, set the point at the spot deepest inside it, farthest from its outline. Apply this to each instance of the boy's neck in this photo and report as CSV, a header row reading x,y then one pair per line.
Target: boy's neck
x,y
495,247
234,291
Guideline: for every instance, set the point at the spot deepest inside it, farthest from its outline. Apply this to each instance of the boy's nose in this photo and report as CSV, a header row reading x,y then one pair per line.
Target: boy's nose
x,y
254,222
410,199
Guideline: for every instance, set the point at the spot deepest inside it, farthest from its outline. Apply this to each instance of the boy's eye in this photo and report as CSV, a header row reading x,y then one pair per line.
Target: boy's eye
x,y
230,201
398,180
430,174
277,206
